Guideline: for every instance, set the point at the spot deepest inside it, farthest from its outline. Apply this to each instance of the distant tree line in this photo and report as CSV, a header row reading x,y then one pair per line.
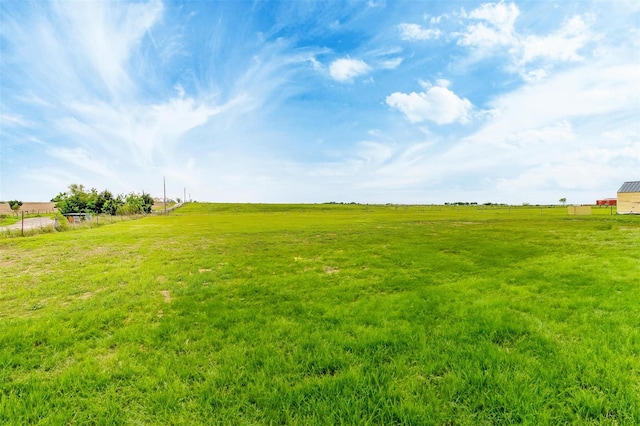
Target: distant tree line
x,y
79,200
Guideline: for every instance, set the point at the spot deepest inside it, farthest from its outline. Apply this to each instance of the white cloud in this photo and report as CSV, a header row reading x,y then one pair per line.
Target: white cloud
x,y
346,69
586,91
534,75
562,45
575,131
440,82
436,103
574,134
496,27
414,32
501,15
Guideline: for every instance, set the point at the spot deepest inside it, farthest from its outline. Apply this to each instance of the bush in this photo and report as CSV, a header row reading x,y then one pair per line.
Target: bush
x,y
63,223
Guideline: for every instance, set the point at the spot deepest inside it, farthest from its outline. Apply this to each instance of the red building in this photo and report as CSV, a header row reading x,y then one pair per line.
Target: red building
x,y
607,202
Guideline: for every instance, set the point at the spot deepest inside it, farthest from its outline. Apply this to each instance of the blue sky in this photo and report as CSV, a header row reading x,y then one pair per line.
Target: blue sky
x,y
365,101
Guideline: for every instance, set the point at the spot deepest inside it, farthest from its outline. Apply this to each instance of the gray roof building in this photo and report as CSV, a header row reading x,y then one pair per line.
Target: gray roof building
x,y
630,187
629,198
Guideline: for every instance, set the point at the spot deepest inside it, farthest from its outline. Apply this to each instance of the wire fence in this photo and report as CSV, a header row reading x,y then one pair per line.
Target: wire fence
x,y
27,225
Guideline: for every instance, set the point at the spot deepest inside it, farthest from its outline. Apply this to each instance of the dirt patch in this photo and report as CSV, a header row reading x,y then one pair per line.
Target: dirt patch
x,y
87,295
331,270
203,270
30,223
166,295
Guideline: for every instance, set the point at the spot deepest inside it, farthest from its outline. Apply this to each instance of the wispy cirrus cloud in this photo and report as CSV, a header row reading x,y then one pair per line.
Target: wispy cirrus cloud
x,y
81,71
77,57
147,132
83,159
13,120
84,48
104,37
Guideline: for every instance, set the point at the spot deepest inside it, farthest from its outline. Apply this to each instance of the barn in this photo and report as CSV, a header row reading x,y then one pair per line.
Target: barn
x,y
629,198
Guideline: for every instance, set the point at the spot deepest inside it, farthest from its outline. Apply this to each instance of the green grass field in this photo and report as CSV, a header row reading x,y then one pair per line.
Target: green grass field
x,y
7,220
325,314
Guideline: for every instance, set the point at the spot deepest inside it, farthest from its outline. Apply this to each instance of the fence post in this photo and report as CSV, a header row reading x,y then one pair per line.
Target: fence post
x,y
22,229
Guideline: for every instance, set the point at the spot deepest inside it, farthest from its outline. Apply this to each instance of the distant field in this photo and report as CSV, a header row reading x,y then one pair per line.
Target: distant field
x,y
28,207
325,314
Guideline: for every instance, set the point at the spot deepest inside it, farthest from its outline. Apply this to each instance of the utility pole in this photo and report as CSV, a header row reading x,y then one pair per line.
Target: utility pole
x,y
184,199
164,186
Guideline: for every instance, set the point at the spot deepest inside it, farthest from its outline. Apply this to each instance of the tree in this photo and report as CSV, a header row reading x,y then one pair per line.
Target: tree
x,y
147,203
563,200
135,204
111,205
78,200
15,205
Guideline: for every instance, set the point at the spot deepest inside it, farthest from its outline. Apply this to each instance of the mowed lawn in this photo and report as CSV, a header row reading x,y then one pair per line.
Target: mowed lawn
x,y
325,314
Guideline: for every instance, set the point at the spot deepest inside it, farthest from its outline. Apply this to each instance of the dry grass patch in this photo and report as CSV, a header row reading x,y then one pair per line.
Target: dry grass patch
x,y
331,270
87,295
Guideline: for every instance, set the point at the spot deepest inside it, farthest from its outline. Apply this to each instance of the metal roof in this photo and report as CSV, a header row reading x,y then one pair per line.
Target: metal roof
x,y
630,187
